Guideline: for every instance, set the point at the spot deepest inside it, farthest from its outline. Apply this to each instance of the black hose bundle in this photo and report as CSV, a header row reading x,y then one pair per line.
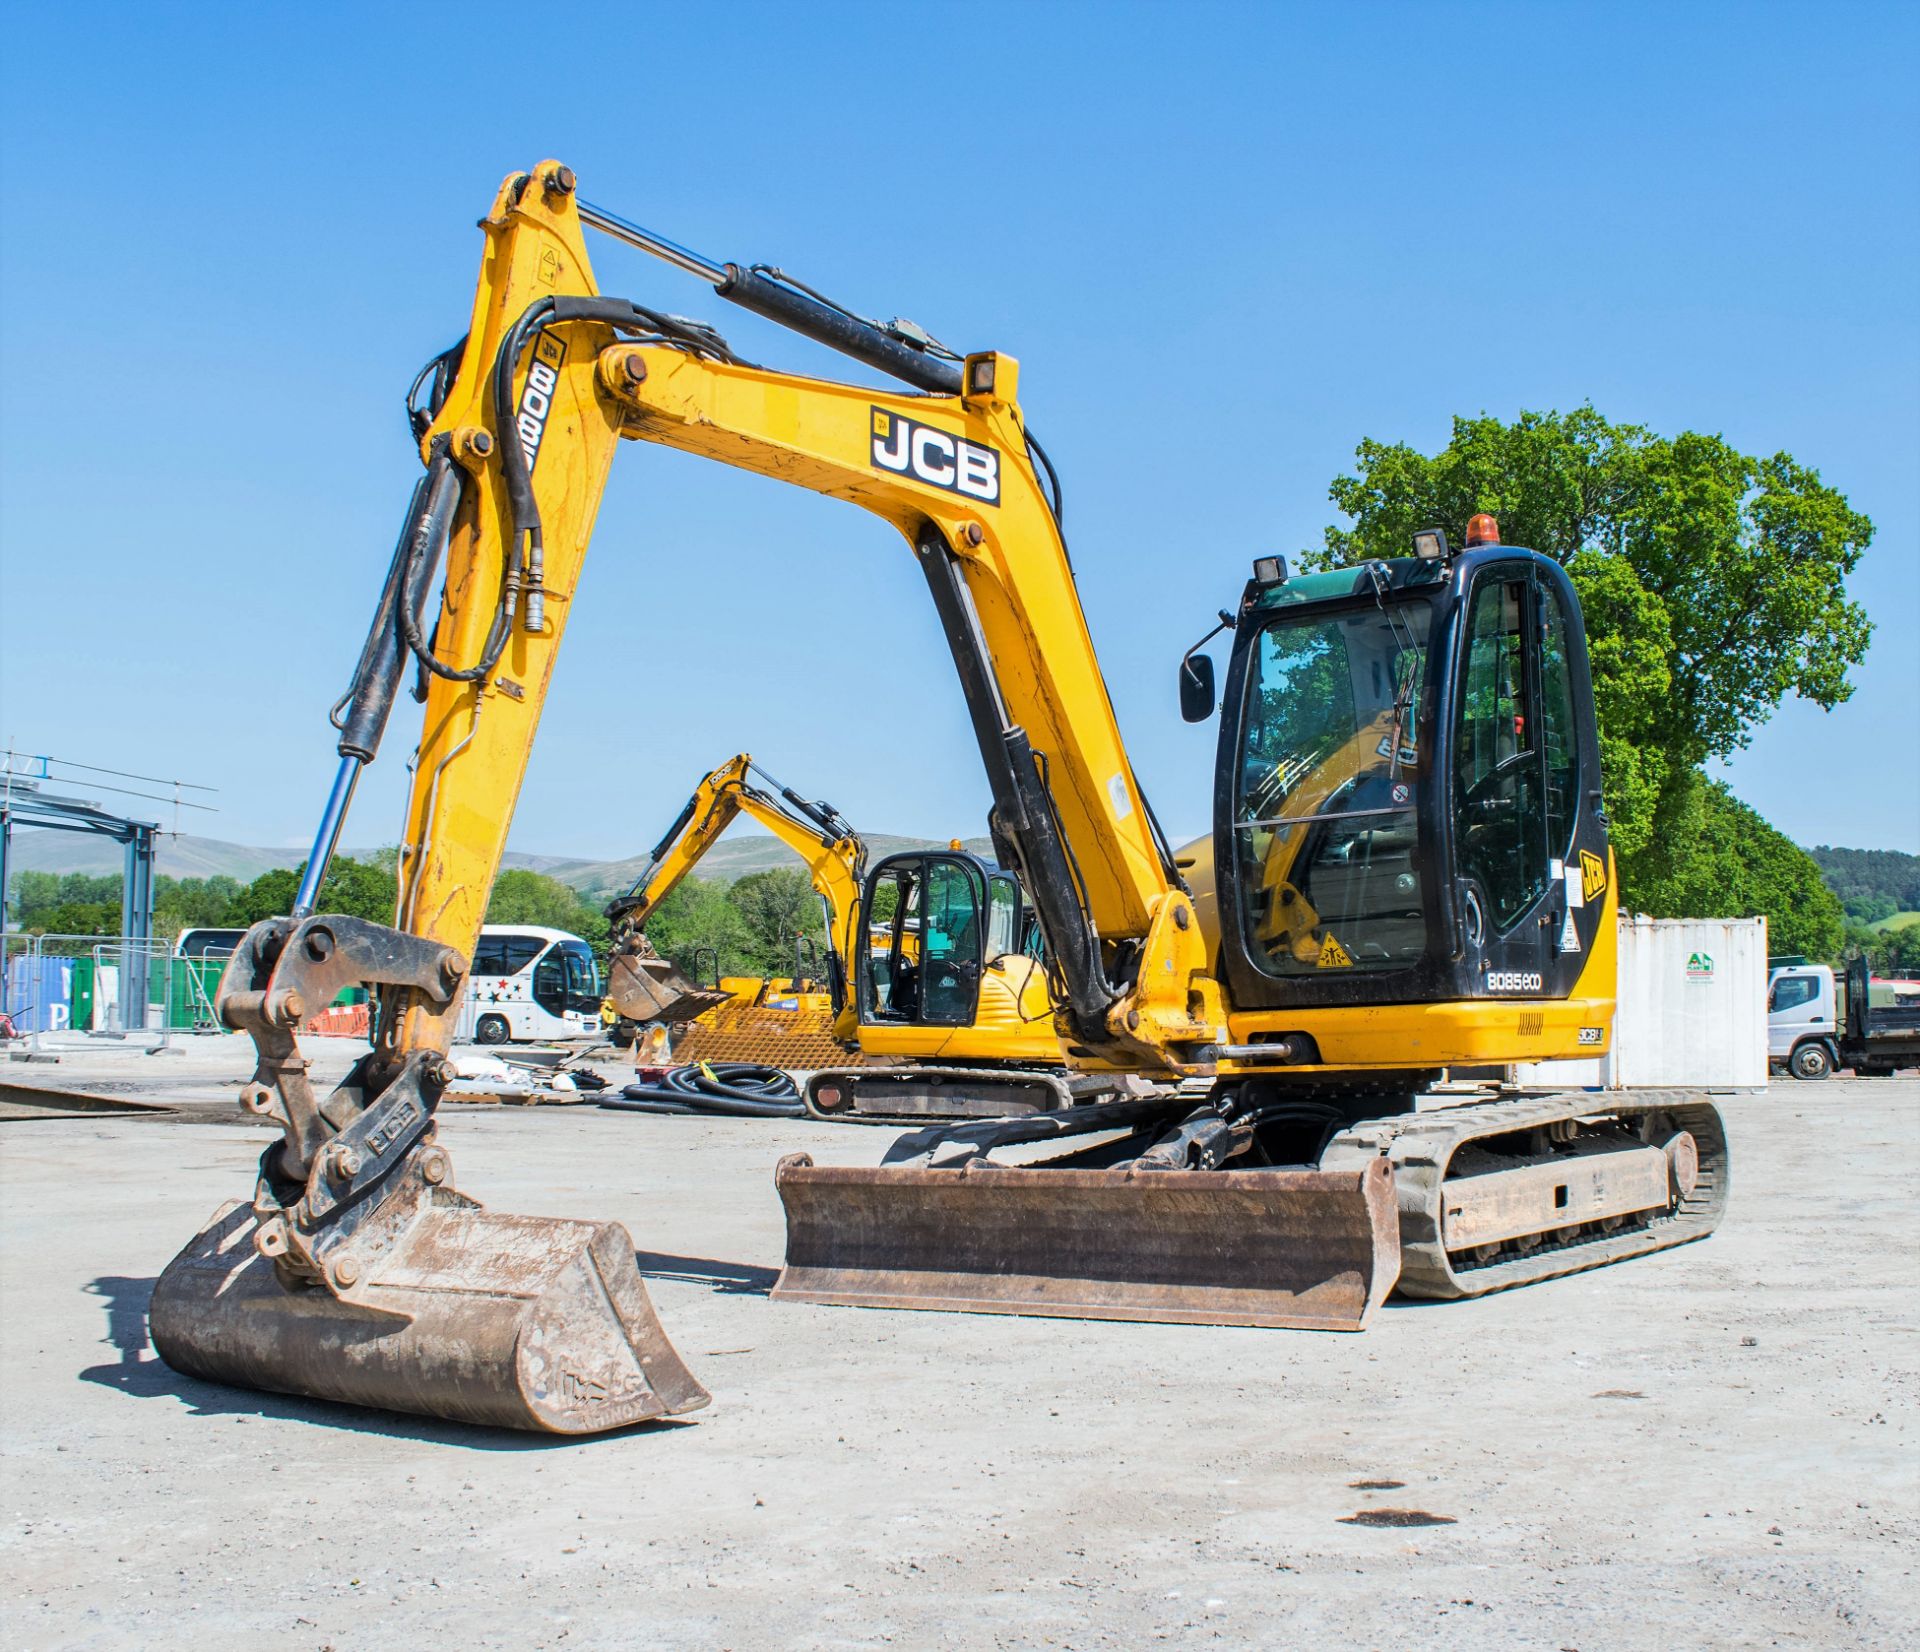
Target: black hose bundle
x,y
731,1089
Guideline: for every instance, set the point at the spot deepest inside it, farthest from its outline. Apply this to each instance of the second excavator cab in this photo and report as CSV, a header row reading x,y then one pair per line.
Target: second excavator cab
x,y
949,977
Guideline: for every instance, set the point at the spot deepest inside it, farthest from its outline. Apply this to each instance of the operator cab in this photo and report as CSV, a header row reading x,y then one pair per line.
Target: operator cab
x,y
1408,804
932,924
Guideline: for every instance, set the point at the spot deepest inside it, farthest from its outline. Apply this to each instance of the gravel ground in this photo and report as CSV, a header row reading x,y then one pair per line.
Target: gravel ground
x,y
1712,1447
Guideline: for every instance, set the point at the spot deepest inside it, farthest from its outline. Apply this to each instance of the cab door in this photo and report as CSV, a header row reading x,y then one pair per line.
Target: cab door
x,y
923,938
1529,834
1797,1005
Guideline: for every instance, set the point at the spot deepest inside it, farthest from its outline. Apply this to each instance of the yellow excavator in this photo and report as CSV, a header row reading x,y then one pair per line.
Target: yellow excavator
x,y
932,967
642,986
1406,747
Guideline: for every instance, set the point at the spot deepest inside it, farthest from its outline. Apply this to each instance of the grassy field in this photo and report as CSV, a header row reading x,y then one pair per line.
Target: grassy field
x,y
1900,920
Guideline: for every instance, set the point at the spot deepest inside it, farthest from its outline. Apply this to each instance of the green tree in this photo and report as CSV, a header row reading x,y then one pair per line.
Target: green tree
x,y
1739,866
72,903
350,886
699,917
1713,585
776,907
76,918
192,903
523,897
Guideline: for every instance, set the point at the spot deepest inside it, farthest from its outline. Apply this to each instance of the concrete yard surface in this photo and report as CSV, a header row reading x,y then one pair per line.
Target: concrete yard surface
x,y
1710,1447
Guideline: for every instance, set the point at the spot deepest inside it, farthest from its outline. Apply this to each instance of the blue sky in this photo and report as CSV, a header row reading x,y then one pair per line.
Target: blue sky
x,y
1226,242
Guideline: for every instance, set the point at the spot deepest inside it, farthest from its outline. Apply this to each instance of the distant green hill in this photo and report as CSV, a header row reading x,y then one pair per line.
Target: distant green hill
x,y
735,855
741,851
1876,886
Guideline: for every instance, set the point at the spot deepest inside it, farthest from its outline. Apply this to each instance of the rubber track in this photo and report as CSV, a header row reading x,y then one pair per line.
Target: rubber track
x,y
1421,1145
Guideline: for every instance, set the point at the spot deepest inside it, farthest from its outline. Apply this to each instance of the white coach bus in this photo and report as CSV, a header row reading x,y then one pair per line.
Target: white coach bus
x,y
530,984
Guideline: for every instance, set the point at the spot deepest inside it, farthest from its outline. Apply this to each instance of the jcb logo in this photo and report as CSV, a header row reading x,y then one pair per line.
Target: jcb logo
x,y
909,448
536,396
1593,874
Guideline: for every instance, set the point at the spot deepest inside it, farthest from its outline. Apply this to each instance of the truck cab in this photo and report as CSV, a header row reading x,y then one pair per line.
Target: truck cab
x,y
1802,1019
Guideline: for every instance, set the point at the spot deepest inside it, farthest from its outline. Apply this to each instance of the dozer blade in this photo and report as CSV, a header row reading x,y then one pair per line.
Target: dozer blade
x,y
512,1321
1304,1249
651,989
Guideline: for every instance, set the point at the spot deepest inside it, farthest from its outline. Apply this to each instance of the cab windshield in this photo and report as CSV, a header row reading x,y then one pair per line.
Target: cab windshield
x,y
1330,767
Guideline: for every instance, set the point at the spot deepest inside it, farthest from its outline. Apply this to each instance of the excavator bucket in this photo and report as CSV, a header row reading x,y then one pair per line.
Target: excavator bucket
x,y
645,989
359,1274
1304,1249
511,1321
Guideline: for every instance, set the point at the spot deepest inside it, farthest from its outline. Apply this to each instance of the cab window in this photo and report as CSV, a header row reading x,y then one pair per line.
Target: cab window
x,y
1497,766
926,930
890,982
952,939
1327,868
1003,916
1791,991
1558,726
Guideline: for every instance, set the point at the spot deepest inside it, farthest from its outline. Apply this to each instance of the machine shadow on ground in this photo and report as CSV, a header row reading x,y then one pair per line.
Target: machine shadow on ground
x,y
725,1278
144,1375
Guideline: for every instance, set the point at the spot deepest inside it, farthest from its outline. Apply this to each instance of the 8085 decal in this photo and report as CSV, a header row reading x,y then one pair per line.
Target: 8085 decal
x,y
936,457
536,395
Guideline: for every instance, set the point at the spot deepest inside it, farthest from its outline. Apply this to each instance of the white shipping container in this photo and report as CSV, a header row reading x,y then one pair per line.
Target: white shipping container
x,y
1692,1011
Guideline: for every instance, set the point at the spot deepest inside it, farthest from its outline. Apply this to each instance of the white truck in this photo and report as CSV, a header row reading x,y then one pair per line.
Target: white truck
x,y
1813,1028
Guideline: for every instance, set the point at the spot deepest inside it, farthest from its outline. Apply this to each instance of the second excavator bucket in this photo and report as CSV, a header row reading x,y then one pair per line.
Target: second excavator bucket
x,y
1304,1249
359,1274
643,987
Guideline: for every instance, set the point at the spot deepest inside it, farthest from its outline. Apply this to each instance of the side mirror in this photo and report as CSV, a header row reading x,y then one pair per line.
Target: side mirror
x,y
1196,687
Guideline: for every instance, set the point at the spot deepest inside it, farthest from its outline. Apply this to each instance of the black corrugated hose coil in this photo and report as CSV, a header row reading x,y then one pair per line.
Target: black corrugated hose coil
x,y
732,1089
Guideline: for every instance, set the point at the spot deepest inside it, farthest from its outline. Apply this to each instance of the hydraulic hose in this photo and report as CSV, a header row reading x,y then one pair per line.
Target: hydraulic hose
x,y
729,1089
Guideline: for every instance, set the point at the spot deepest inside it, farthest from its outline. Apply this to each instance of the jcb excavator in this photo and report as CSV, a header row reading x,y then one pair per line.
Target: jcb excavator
x,y
930,966
1456,869
642,986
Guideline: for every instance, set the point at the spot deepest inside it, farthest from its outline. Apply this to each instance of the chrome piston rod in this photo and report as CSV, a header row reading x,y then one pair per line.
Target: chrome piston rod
x,y
610,223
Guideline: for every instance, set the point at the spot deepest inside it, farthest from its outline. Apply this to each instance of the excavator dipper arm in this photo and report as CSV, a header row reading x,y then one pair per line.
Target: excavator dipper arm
x,y
358,1273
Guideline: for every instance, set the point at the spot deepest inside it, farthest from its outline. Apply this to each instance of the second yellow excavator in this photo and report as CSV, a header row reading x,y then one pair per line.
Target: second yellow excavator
x,y
933,969
1410,871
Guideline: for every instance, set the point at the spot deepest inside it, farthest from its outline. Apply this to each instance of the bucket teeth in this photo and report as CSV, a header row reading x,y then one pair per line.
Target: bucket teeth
x,y
511,1321
1305,1249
